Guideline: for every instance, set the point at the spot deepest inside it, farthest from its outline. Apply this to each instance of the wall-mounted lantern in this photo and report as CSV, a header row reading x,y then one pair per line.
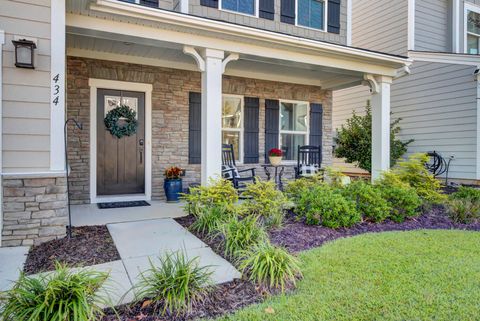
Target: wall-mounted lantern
x,y
24,53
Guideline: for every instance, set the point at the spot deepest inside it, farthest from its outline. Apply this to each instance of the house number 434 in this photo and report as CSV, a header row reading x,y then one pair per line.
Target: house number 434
x,y
56,89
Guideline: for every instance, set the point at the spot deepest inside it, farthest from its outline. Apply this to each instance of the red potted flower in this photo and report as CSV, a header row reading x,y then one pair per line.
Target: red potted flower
x,y
173,183
275,156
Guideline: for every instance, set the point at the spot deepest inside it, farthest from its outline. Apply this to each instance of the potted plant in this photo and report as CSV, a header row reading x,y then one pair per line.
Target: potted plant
x,y
275,156
173,183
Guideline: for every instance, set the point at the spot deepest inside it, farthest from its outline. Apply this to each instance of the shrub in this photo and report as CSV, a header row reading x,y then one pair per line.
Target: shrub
x,y
240,235
354,140
368,200
469,193
402,199
463,210
325,205
218,192
414,172
270,266
61,295
335,177
210,218
176,283
264,200
295,188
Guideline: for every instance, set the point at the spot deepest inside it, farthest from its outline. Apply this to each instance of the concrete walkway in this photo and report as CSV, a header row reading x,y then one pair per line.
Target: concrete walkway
x,y
12,260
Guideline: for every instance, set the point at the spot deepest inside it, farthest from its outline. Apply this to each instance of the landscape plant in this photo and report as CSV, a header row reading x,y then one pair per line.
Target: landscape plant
x,y
326,206
294,188
62,295
270,266
264,200
368,199
218,192
463,206
354,140
241,234
210,218
175,283
465,192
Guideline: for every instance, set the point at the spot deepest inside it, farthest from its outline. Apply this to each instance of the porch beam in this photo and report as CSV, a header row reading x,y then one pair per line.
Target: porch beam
x,y
380,124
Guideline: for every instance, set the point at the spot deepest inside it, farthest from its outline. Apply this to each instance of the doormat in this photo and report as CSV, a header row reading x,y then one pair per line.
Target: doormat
x,y
122,204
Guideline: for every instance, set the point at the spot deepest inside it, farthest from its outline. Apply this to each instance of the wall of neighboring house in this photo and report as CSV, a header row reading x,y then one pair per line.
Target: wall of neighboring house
x,y
380,25
433,21
26,93
276,24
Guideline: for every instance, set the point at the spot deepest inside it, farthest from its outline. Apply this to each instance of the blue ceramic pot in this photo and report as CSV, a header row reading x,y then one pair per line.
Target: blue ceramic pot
x,y
173,188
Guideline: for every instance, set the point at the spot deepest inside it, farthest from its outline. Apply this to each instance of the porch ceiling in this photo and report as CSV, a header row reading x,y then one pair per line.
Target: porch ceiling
x,y
107,46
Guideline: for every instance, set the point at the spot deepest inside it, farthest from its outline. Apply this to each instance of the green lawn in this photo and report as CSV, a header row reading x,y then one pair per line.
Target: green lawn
x,y
420,275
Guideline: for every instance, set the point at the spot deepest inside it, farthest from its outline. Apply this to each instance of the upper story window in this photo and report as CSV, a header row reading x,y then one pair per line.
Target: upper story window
x,y
293,127
232,124
148,3
311,13
241,6
473,33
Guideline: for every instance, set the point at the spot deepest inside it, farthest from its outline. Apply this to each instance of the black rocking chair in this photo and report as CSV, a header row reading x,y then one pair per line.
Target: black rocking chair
x,y
309,161
230,171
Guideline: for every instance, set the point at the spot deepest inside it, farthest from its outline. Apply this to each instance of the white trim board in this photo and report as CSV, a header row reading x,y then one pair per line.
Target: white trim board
x,y
2,42
445,58
411,24
127,86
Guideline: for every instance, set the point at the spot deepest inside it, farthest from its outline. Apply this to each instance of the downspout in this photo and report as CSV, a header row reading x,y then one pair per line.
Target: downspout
x,y
477,80
2,42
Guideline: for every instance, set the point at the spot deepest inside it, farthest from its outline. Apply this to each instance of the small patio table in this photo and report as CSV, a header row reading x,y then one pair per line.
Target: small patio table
x,y
277,172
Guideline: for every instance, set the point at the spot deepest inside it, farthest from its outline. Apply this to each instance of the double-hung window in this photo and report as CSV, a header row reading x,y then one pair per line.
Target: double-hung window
x,y
294,127
473,33
241,6
232,124
311,13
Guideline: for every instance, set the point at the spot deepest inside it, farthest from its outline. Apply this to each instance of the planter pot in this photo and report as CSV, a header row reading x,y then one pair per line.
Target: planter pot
x,y
275,160
173,188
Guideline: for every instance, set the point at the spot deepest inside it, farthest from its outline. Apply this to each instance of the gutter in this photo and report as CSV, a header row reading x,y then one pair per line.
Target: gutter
x,y
205,24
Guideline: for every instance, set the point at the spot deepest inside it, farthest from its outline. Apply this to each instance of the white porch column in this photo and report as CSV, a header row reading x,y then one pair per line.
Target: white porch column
x,y
380,125
211,114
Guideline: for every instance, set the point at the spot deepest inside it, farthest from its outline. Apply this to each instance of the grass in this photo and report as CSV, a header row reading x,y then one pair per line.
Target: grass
x,y
420,275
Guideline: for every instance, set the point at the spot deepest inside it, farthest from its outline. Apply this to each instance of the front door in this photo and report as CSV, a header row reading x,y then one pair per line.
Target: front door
x,y
120,161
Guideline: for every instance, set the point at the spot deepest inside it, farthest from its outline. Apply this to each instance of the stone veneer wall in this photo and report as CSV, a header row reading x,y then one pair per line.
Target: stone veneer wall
x,y
34,209
171,88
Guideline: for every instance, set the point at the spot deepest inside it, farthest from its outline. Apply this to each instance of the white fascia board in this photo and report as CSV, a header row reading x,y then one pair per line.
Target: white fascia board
x,y
91,26
204,24
445,58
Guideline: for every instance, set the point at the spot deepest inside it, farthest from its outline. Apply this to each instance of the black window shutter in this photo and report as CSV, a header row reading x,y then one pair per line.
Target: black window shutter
x,y
194,128
334,16
250,130
316,124
287,11
209,3
272,110
266,9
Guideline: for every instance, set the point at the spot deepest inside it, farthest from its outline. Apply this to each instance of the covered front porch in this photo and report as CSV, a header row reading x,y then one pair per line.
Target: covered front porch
x,y
196,84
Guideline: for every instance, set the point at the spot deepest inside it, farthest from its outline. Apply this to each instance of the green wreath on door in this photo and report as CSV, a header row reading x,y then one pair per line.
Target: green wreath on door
x,y
114,115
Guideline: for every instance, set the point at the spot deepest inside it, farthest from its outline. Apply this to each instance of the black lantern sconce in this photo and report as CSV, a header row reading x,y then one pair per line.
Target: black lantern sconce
x,y
24,53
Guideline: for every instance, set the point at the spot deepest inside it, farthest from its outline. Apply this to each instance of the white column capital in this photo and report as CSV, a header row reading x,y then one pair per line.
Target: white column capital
x,y
374,81
212,53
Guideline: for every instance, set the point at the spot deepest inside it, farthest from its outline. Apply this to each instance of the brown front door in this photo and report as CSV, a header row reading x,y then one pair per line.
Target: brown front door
x,y
120,161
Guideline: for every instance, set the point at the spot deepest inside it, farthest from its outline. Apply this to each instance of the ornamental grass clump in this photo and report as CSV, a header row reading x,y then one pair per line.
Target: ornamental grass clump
x,y
241,234
368,199
264,200
270,266
62,295
175,284
463,206
324,205
210,219
219,192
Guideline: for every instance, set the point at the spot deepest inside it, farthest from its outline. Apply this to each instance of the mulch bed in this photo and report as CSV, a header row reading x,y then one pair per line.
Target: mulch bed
x,y
226,298
90,245
297,236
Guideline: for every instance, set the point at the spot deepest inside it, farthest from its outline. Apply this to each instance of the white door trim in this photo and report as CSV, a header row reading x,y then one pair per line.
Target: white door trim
x,y
127,86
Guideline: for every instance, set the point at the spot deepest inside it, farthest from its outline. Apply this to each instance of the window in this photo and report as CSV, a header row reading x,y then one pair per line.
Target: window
x,y
473,33
311,14
293,127
241,6
232,124
147,3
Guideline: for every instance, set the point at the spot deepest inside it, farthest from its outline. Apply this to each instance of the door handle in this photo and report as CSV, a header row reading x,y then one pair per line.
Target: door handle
x,y
141,156
141,142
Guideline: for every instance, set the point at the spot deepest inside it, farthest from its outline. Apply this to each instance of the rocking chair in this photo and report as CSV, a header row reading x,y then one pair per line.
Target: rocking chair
x,y
309,161
230,171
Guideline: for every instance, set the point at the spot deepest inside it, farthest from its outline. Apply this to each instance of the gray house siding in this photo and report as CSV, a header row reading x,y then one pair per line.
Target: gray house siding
x,y
274,25
380,25
437,104
433,25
